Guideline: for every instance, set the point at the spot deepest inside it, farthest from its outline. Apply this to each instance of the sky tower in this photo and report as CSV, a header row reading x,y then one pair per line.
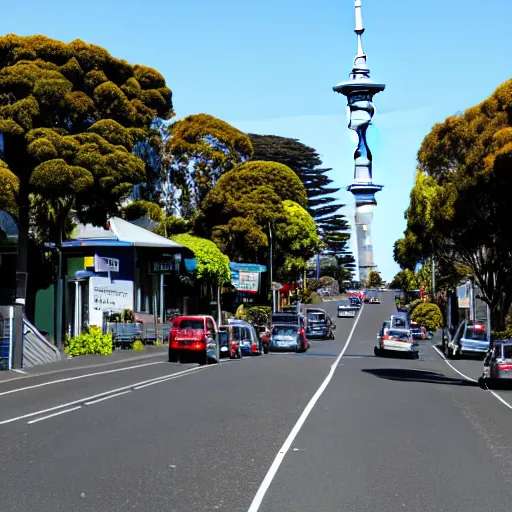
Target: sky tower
x,y
360,90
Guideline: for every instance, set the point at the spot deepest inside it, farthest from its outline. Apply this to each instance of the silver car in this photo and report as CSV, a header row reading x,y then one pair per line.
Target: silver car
x,y
497,364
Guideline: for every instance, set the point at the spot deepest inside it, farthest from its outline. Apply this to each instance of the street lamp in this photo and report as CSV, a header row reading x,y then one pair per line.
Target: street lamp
x,y
58,299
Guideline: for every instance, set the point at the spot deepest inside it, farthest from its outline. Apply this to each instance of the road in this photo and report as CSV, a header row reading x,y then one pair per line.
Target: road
x,y
332,430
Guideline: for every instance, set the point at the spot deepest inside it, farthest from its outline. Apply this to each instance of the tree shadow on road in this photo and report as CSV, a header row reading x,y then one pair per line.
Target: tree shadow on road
x,y
405,375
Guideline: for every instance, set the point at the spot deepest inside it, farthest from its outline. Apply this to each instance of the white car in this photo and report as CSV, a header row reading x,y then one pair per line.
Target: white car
x,y
396,340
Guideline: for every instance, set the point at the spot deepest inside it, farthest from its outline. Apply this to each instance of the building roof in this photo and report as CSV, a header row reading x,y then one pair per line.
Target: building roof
x,y
120,233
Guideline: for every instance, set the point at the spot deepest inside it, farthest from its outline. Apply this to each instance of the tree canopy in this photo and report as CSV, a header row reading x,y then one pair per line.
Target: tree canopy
x,y
70,115
211,263
460,205
251,199
333,227
374,279
200,149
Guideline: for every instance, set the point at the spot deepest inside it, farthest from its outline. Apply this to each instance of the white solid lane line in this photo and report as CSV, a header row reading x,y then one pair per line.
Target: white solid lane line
x,y
109,397
267,481
503,401
451,366
106,393
78,377
54,414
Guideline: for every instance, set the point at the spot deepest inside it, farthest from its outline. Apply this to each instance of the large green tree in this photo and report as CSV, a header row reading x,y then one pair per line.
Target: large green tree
x,y
460,205
199,149
253,200
322,205
70,115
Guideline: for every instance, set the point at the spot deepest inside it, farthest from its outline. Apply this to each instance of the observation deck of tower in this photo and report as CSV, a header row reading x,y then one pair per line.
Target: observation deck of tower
x,y
360,90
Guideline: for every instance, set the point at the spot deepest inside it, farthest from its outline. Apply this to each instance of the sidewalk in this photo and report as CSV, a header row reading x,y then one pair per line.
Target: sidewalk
x,y
83,362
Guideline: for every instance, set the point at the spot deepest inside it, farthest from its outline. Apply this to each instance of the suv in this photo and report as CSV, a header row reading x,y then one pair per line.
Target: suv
x,y
194,339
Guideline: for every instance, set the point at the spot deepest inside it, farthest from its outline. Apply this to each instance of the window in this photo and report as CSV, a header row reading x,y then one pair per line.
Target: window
x,y
475,333
192,323
507,351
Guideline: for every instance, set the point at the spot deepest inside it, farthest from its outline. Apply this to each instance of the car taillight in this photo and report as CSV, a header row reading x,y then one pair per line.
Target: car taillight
x,y
505,367
385,337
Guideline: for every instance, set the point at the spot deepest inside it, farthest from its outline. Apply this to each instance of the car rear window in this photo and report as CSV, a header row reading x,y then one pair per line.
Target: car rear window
x,y
284,331
507,351
475,334
399,335
317,318
191,323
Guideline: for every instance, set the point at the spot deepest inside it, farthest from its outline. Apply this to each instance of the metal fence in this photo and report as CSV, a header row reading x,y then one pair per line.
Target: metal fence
x,y
124,334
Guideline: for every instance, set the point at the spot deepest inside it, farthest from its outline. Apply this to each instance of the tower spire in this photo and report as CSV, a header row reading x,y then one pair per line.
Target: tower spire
x,y
360,69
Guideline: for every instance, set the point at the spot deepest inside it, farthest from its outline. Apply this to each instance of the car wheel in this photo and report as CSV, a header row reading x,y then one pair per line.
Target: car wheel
x,y
203,358
376,351
173,356
481,383
265,349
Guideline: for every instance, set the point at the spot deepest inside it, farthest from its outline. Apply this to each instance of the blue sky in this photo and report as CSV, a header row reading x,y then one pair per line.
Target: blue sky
x,y
269,67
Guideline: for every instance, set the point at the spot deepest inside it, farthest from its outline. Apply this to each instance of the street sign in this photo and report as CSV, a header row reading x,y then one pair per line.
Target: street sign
x,y
276,286
102,264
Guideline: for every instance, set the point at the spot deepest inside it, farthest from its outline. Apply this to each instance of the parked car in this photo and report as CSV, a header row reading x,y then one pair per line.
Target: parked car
x,y
346,309
194,339
244,335
418,331
319,324
374,300
288,337
398,341
471,338
497,364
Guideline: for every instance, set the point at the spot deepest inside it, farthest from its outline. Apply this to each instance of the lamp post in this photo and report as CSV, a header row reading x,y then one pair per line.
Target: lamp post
x,y
271,267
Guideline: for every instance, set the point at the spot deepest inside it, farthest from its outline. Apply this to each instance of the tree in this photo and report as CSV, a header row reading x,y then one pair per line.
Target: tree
x,y
305,162
140,208
200,149
374,279
404,280
212,265
465,181
238,211
429,315
70,115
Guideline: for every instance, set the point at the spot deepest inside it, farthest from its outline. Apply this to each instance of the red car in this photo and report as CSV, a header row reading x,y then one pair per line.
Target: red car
x,y
194,339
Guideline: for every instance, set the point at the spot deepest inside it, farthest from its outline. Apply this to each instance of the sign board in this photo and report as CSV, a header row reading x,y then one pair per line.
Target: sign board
x,y
249,282
166,266
103,264
107,295
276,286
247,267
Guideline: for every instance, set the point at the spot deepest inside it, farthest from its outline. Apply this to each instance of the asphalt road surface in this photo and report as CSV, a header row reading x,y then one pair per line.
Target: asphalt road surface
x,y
335,429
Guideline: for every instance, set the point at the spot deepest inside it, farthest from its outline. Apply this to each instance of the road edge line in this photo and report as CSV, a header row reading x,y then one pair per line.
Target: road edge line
x,y
498,397
271,473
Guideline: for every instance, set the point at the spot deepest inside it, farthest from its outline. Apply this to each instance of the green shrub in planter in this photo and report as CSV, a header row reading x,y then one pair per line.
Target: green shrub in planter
x,y
138,345
91,342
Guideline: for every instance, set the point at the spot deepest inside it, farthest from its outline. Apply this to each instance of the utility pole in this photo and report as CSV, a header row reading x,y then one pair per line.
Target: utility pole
x,y
433,278
271,268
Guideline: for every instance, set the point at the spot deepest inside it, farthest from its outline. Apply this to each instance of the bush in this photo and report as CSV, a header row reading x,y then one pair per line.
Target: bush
x,y
91,342
429,315
256,315
305,296
138,346
315,298
413,305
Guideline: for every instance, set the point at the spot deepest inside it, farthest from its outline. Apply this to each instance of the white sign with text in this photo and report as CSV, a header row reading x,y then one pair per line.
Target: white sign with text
x,y
107,295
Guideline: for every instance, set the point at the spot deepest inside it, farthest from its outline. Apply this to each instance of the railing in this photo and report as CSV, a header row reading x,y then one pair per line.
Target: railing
x,y
36,348
124,334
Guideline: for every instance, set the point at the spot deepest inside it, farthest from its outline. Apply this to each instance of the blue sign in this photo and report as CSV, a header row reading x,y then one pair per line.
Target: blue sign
x,y
247,267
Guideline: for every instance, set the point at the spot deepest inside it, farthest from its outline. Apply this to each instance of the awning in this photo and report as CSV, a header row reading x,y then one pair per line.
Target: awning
x,y
120,233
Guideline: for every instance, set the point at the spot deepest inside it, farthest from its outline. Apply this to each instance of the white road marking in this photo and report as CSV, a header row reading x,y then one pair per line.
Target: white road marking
x,y
267,481
78,377
451,366
106,393
107,397
503,401
54,414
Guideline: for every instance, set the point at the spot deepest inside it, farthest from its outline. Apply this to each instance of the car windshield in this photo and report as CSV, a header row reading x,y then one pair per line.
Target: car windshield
x,y
344,303
284,331
476,333
507,351
399,335
191,323
317,318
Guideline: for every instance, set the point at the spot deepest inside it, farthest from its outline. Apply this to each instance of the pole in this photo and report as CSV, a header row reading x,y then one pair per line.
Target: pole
x,y
58,327
271,268
219,306
318,265
162,314
433,278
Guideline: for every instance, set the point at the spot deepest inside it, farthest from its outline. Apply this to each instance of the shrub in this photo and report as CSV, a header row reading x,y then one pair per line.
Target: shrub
x,y
429,315
305,296
256,315
138,346
91,342
413,305
315,298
